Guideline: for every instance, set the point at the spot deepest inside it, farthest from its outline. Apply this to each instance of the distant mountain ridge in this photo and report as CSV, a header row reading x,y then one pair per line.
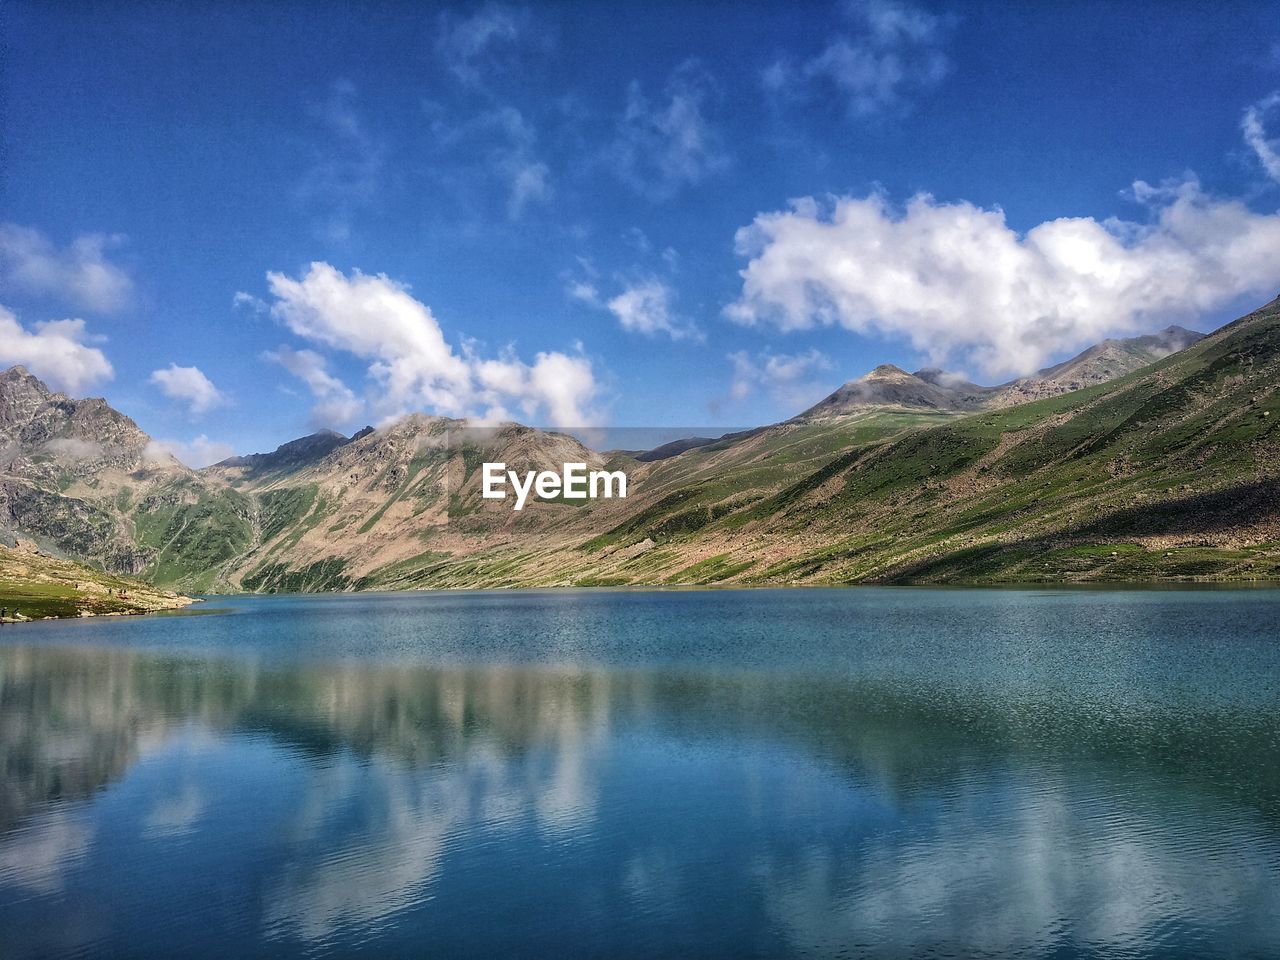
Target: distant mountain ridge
x,y
288,456
895,477
890,386
1100,363
933,389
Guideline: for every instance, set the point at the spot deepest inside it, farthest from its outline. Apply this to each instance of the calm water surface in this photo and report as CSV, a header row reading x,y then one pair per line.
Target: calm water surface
x,y
863,772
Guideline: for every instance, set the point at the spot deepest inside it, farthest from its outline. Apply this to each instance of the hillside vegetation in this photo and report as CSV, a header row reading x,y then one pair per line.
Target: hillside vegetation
x,y
1164,470
34,586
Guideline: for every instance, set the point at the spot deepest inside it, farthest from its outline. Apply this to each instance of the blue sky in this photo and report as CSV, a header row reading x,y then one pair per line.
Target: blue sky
x,y
658,214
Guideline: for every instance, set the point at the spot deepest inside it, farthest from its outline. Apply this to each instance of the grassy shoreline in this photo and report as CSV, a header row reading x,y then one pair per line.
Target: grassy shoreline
x,y
35,586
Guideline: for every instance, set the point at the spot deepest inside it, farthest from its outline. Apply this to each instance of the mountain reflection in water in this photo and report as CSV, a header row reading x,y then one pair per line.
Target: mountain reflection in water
x,y
162,804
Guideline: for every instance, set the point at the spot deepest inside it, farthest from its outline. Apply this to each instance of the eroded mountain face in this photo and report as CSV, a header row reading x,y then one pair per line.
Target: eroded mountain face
x,y
73,471
1071,473
46,433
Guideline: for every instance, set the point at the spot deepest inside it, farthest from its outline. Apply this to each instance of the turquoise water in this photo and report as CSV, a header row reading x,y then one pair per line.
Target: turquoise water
x,y
862,772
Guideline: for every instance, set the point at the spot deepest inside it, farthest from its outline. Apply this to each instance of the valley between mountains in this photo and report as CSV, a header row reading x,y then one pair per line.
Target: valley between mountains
x,y
1154,458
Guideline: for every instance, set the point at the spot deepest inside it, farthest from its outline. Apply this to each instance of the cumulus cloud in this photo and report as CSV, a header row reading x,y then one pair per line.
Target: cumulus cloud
x,y
376,319
1255,135
413,365
55,351
646,307
958,282
895,49
190,386
336,404
664,146
789,378
558,383
200,452
80,272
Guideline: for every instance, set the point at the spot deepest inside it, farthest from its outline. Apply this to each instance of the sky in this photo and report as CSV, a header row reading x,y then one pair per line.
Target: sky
x,y
242,222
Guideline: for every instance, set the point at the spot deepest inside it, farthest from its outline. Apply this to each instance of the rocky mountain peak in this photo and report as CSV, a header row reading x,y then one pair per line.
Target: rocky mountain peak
x,y
891,386
288,456
886,371
41,423
21,394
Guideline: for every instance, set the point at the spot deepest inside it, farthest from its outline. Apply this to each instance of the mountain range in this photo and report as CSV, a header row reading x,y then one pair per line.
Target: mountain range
x,y
1149,458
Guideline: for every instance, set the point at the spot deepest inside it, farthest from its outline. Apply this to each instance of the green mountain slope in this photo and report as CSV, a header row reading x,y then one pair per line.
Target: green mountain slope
x,y
1171,471
34,585
1168,472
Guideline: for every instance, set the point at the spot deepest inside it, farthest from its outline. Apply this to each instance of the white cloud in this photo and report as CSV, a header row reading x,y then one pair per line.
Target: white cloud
x,y
646,307
954,279
200,452
336,404
1255,135
643,304
660,148
377,319
789,378
55,351
896,50
80,271
562,385
189,385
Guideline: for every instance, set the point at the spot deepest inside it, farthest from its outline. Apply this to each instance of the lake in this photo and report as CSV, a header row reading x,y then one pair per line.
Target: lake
x,y
892,772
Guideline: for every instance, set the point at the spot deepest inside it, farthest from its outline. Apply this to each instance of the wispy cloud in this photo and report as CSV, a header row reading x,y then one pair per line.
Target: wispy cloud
x,y
893,50
347,164
647,307
664,145
788,378
1255,134
499,143
336,404
78,274
487,41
